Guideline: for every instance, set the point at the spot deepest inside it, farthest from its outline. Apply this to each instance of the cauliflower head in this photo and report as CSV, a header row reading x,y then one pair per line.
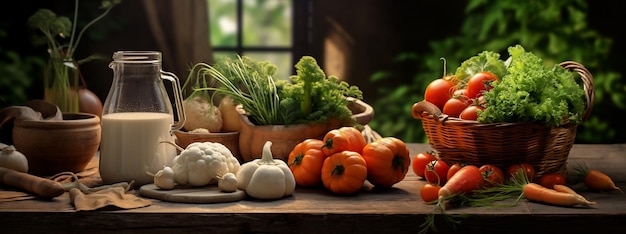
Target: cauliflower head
x,y
201,163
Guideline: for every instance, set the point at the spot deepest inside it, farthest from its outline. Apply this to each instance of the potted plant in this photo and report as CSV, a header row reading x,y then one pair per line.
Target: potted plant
x,y
61,79
285,112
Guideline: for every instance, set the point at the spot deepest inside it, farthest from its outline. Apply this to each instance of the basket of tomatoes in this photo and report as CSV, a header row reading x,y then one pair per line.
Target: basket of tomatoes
x,y
505,112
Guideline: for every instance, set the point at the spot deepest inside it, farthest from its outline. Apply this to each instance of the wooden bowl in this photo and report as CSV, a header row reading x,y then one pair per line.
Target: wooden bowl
x,y
53,146
228,139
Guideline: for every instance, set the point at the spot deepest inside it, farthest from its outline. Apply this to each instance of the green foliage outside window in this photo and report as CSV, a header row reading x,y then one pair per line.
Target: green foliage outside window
x,y
554,30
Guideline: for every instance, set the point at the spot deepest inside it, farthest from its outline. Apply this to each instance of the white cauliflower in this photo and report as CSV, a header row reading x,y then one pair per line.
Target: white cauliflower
x,y
202,163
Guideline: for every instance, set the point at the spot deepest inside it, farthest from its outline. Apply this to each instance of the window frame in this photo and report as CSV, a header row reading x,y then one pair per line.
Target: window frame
x,y
301,35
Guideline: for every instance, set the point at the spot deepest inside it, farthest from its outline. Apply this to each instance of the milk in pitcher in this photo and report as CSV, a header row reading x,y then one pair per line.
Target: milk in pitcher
x,y
131,143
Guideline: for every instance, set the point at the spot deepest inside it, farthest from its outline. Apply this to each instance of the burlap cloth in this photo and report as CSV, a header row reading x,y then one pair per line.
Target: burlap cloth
x,y
98,196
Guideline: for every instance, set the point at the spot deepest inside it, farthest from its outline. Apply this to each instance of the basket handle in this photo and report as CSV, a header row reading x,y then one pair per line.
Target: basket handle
x,y
424,106
588,85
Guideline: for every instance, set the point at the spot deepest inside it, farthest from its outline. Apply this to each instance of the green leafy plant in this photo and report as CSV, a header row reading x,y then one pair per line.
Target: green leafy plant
x,y
554,30
58,33
16,70
307,97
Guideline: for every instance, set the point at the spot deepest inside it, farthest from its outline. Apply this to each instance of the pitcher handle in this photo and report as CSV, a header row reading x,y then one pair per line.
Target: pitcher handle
x,y
178,98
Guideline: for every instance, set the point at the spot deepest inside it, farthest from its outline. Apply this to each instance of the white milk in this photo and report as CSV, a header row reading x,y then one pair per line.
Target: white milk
x,y
130,146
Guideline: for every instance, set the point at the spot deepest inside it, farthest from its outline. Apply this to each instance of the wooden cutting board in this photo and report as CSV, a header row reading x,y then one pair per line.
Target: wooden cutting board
x,y
206,194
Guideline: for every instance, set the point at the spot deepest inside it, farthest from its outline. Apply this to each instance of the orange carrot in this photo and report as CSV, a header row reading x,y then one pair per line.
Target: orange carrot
x,y
564,189
595,179
467,179
538,193
30,183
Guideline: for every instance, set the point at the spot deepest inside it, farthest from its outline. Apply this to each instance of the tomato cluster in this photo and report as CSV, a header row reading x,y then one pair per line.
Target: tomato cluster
x,y
460,99
437,172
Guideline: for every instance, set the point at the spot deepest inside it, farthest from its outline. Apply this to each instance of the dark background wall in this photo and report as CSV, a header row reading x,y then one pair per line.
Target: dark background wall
x,y
381,30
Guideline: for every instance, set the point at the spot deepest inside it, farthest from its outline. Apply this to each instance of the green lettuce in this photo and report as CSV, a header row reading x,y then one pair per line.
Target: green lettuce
x,y
533,92
484,61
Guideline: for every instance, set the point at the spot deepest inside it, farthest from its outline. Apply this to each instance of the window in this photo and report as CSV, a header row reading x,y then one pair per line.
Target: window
x,y
262,29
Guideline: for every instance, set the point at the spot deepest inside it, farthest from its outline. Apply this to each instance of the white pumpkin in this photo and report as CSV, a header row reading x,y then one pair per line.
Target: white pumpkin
x,y
266,178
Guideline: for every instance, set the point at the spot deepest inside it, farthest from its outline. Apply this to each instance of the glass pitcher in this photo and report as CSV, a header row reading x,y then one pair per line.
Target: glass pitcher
x,y
137,117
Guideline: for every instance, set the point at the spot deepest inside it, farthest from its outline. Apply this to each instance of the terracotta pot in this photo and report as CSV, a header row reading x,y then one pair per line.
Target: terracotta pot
x,y
228,139
283,137
54,146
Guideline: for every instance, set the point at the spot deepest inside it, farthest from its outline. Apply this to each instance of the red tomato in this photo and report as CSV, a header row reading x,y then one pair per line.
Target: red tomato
x,y
454,106
436,172
549,180
526,168
492,174
479,83
439,91
430,192
471,112
419,162
453,169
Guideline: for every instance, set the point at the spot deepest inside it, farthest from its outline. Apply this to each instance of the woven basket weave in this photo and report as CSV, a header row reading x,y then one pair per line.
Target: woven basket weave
x,y
504,144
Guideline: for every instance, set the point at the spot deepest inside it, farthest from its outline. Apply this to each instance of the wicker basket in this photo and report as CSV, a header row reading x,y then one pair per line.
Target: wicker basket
x,y
504,144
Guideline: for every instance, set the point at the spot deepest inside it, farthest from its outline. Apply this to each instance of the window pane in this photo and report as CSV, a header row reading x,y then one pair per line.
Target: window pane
x,y
267,23
223,19
281,59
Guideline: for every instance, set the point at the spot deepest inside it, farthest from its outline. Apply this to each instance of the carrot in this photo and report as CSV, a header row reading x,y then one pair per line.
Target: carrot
x,y
467,179
538,193
595,179
30,183
564,189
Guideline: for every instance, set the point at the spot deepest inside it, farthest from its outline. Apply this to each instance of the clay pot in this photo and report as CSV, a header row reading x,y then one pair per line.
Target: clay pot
x,y
54,146
228,139
285,137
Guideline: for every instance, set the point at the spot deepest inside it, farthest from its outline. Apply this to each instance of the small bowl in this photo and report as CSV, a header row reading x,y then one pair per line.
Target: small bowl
x,y
53,146
228,139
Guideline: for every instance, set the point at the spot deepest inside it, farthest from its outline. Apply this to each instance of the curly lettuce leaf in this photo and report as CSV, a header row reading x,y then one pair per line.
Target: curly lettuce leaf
x,y
533,92
485,61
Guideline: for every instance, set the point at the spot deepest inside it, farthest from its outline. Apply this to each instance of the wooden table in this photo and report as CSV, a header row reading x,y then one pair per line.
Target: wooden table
x,y
397,210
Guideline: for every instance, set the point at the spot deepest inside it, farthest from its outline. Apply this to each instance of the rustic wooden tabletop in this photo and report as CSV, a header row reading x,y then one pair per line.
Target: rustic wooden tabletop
x,y
310,210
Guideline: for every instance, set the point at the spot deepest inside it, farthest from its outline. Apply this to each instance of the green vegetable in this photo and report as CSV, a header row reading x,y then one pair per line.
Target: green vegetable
x,y
248,82
308,72
484,61
327,95
307,97
533,92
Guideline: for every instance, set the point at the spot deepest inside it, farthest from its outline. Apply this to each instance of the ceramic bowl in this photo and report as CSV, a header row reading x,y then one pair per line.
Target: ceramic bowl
x,y
53,146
